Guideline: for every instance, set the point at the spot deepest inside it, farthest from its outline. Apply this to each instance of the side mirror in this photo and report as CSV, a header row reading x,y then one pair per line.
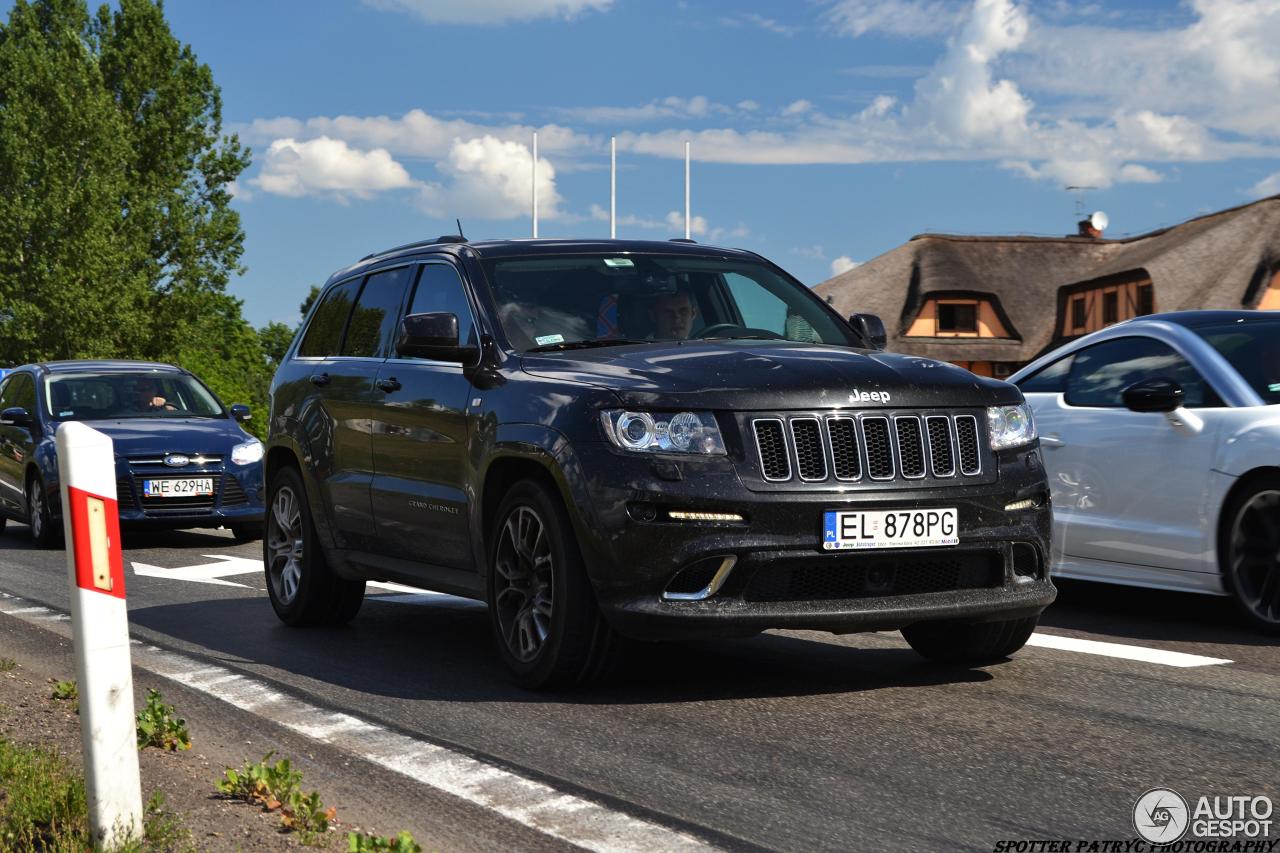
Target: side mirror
x,y
871,328
16,416
1153,395
433,336
241,412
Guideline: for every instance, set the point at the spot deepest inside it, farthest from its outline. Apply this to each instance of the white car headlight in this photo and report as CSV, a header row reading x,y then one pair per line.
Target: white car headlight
x,y
663,432
247,453
1010,426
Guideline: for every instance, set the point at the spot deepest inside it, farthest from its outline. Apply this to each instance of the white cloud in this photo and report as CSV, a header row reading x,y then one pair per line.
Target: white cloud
x,y
959,97
754,20
905,18
1270,185
843,264
490,11
490,178
1134,173
328,167
235,190
697,107
797,108
815,252
697,224
748,106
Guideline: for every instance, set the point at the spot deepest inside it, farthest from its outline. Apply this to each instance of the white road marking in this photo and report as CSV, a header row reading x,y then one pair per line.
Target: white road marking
x,y
211,573
1120,650
567,817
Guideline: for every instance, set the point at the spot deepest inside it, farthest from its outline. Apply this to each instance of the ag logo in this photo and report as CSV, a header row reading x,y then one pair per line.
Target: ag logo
x,y
1160,816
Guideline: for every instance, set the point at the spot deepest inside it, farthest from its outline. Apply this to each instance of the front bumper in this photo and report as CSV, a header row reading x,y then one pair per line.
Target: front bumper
x,y
781,577
237,496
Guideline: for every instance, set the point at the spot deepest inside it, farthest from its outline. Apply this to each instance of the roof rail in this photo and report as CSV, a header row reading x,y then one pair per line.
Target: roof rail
x,y
682,240
443,238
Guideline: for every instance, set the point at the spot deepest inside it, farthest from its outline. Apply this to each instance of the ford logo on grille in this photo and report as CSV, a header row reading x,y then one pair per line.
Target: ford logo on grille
x,y
175,460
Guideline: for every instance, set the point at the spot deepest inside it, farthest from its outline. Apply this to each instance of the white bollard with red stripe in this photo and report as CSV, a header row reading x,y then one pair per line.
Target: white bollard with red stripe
x,y
100,625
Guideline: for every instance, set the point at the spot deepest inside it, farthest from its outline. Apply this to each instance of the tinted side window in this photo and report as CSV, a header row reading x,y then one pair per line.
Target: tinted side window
x,y
325,332
19,391
1100,373
1048,380
440,290
378,310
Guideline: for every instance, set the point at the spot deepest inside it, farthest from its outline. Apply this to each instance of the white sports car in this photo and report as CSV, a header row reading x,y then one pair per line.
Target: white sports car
x,y
1161,436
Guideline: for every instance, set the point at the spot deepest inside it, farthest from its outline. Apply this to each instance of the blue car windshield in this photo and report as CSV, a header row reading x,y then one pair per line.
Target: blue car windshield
x,y
101,396
1253,348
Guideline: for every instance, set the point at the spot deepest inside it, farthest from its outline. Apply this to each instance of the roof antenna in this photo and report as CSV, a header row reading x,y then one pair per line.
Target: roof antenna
x,y
460,234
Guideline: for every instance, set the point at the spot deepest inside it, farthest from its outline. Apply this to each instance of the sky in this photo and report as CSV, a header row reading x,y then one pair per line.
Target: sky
x,y
823,132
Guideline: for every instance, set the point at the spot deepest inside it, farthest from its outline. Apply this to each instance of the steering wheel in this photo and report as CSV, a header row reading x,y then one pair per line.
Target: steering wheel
x,y
709,331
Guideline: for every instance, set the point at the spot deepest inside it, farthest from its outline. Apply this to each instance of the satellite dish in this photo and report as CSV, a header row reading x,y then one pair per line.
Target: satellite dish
x,y
1099,220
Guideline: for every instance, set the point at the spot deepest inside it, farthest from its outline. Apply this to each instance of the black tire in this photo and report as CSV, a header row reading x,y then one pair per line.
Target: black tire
x,y
303,589
565,641
247,532
42,528
1249,551
955,642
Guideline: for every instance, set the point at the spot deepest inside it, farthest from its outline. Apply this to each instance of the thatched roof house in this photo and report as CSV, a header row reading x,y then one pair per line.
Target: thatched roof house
x,y
994,303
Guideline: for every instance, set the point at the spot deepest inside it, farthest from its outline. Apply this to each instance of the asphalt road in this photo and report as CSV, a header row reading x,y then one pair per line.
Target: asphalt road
x,y
791,740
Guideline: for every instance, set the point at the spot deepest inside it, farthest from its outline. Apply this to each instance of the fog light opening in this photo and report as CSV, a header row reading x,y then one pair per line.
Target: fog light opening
x,y
685,515
1026,561
695,575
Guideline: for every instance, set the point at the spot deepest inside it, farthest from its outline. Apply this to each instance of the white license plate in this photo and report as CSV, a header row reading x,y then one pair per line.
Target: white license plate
x,y
848,529
173,488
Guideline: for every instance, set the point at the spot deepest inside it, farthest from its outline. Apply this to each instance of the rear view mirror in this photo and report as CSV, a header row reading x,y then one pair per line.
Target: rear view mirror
x,y
871,328
16,416
433,336
241,412
1153,395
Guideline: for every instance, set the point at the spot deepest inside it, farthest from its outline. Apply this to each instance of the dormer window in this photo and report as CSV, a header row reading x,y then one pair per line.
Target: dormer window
x,y
959,315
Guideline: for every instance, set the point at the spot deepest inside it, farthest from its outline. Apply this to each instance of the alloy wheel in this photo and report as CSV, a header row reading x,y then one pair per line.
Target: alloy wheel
x,y
35,509
285,545
1255,555
524,585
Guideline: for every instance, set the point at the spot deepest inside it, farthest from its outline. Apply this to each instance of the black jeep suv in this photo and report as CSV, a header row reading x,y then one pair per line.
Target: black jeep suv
x,y
651,440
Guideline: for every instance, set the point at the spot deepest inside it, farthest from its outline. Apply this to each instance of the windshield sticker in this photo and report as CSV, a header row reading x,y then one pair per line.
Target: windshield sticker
x,y
543,340
619,263
1273,387
65,414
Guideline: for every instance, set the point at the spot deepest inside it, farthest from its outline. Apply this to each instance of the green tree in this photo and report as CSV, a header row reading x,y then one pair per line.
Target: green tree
x,y
117,238
312,296
275,338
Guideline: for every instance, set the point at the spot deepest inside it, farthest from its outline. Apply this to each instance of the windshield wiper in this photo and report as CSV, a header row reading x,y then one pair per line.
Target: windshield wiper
x,y
591,344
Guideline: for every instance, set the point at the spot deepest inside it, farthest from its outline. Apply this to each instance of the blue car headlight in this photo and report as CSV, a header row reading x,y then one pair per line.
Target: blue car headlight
x,y
247,453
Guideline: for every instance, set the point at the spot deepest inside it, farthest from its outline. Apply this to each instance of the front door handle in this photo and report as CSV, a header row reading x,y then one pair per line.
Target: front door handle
x,y
388,385
1051,441
320,379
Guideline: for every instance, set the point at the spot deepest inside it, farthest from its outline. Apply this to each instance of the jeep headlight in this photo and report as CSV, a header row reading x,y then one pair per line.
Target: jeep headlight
x,y
1010,426
247,453
663,432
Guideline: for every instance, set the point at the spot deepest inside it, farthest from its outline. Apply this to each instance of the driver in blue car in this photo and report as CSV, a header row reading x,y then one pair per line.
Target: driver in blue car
x,y
146,397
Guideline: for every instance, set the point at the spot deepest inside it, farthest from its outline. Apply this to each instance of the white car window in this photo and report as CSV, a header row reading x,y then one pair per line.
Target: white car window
x,y
1100,373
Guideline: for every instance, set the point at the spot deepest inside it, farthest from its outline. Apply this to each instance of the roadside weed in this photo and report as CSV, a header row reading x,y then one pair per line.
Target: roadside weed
x,y
262,783
8,664
66,691
44,806
278,786
362,842
157,725
306,815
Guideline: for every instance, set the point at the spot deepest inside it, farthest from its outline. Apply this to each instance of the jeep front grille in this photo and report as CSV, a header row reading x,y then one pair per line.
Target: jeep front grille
x,y
867,448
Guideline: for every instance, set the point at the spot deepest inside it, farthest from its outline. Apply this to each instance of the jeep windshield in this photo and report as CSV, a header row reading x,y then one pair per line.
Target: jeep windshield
x,y
103,396
579,301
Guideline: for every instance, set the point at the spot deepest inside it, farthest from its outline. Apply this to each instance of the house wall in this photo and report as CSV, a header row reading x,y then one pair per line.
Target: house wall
x,y
1271,298
1126,293
926,323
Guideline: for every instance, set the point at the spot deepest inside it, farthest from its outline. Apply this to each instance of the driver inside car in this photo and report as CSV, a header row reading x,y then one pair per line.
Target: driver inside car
x,y
673,315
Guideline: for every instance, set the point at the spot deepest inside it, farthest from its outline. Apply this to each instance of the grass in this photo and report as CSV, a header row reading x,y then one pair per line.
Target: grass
x,y
8,664
43,807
